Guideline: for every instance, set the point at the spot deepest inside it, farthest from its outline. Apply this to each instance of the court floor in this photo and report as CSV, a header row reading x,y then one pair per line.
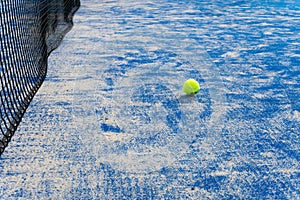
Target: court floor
x,y
111,120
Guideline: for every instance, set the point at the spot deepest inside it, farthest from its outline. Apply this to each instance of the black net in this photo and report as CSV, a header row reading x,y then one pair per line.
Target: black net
x,y
30,30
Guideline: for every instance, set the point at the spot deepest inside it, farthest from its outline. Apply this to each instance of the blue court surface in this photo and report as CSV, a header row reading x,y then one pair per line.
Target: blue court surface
x,y
111,120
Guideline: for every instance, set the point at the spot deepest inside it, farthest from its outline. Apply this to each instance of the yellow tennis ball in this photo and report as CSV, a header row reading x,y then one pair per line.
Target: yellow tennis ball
x,y
191,86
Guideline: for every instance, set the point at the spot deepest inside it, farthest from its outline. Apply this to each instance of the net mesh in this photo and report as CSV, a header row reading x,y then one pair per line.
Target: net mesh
x,y
30,30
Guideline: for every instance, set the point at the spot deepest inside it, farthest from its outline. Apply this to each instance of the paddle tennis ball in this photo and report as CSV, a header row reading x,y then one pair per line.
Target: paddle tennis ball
x,y
191,86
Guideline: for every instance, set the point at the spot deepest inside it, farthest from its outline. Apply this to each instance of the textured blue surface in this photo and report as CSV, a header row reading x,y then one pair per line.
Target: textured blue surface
x,y
111,121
